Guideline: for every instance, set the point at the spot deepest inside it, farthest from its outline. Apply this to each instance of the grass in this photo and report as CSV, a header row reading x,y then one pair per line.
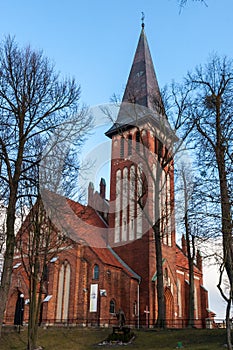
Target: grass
x,y
87,339
193,339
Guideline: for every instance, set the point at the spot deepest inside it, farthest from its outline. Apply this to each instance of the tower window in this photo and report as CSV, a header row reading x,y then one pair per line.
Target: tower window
x,y
130,145
122,151
138,138
96,272
145,138
112,307
166,273
160,149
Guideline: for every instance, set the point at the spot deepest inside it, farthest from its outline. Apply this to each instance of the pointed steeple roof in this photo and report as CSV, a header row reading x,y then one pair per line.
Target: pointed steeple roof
x,y
142,87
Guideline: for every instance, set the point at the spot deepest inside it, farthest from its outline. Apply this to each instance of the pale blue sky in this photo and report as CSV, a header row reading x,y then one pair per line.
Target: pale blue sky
x,y
95,41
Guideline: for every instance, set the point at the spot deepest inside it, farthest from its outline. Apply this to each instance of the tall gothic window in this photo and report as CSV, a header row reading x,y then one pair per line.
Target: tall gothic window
x,y
166,274
96,272
160,149
196,302
179,298
118,206
139,210
125,200
131,201
122,150
154,194
135,308
63,292
169,212
163,211
138,139
130,145
145,139
112,306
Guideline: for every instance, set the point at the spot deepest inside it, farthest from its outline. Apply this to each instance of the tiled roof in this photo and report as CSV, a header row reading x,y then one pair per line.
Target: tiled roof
x,y
82,224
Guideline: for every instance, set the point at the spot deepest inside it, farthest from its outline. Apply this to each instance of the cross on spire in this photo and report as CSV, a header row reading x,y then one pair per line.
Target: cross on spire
x,y
142,19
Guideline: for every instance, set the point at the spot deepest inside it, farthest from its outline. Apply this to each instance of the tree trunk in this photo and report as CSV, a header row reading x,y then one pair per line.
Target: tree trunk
x,y
159,266
8,259
226,215
191,294
32,315
228,323
227,241
191,273
10,233
34,306
33,323
160,323
190,252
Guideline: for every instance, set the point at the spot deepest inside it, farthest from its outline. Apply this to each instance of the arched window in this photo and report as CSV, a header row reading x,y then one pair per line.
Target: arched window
x,y
131,201
130,145
160,149
179,298
118,206
139,210
138,139
96,272
122,151
145,139
166,273
112,306
125,202
163,208
63,292
135,308
154,192
169,211
196,302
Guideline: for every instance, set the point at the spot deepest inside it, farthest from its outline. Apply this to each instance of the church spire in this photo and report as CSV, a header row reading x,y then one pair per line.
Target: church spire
x,y
142,86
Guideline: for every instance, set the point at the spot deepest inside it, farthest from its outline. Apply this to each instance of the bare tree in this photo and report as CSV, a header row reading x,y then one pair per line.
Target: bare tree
x,y
33,102
2,227
211,112
153,179
37,242
182,3
185,189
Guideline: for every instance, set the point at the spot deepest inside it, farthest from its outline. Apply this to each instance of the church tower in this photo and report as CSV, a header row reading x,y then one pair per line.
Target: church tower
x,y
142,184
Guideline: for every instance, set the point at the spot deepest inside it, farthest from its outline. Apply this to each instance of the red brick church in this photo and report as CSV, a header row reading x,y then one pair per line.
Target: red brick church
x,y
109,262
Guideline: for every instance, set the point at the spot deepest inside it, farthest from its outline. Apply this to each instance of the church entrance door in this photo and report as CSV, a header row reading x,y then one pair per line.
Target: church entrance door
x,y
19,310
169,307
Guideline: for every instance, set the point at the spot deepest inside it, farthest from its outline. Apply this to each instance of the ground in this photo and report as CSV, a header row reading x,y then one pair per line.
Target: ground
x,y
87,339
